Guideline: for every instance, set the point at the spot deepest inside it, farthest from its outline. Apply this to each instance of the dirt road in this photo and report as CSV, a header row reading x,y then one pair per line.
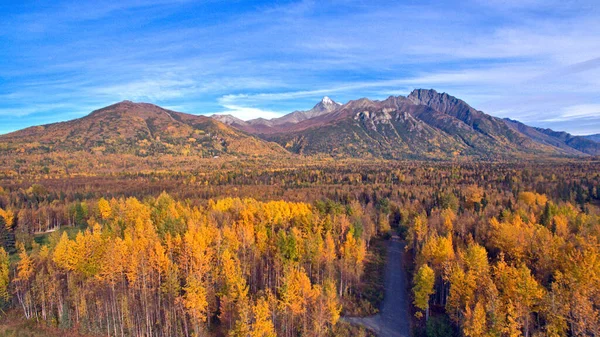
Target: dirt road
x,y
393,319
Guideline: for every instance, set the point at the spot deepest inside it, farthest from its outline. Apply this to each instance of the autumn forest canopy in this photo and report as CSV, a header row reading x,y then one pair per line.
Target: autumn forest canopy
x,y
299,168
492,249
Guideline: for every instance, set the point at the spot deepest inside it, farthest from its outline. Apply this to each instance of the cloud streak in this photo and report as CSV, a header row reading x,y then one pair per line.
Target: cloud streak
x,y
577,113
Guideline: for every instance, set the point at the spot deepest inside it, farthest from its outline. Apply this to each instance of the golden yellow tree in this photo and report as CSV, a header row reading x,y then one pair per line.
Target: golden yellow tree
x,y
104,209
4,274
476,321
22,281
423,289
194,301
263,324
8,216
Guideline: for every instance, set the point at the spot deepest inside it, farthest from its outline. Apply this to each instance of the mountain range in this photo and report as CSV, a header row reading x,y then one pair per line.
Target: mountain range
x,y
595,137
280,124
424,125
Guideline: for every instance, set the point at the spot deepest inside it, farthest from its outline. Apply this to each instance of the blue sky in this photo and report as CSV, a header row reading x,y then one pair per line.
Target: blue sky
x,y
537,61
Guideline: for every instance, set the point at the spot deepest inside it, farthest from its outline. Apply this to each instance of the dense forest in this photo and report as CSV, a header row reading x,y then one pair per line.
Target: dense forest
x,y
300,168
497,249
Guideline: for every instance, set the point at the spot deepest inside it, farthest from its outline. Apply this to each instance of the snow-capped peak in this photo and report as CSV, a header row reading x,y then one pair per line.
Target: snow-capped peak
x,y
327,100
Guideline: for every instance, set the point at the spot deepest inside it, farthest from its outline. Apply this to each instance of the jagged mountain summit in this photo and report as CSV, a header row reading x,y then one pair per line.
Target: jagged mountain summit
x,y
261,125
141,129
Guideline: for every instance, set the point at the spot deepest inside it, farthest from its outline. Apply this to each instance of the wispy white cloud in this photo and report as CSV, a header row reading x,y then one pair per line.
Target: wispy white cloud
x,y
473,77
48,108
576,112
247,113
150,89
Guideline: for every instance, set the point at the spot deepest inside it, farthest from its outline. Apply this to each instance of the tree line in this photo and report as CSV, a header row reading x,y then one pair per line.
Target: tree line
x,y
499,249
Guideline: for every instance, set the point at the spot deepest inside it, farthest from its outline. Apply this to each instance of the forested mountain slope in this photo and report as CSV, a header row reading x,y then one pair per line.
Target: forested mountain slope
x,y
138,128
